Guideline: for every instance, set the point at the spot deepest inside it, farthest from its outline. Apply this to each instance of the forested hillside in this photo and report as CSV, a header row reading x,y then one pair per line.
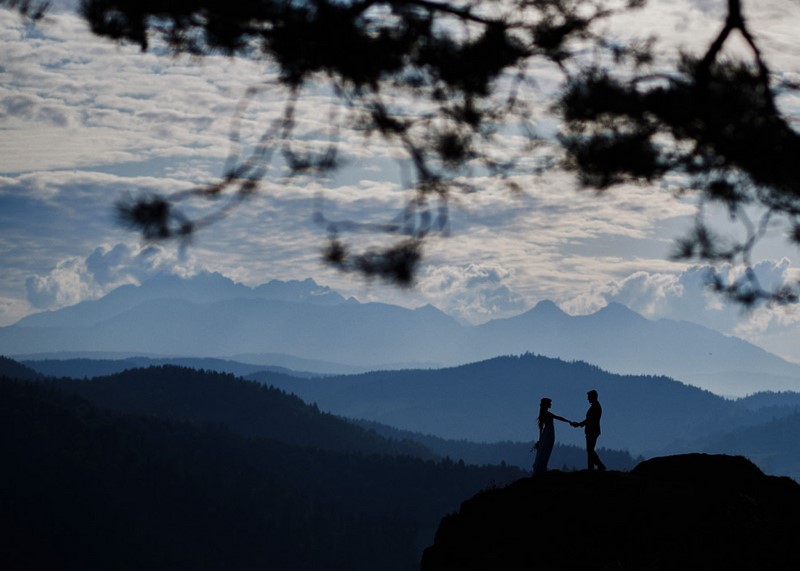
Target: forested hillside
x,y
85,488
15,370
246,407
89,487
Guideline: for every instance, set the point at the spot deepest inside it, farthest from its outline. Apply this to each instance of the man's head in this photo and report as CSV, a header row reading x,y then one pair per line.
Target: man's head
x,y
592,396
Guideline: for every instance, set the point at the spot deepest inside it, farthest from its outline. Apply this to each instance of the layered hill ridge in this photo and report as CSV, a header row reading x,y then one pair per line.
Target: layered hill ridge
x,y
482,412
211,316
680,512
497,400
184,394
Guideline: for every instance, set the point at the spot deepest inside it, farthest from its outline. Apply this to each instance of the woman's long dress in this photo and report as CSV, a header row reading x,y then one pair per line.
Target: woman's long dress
x,y
547,438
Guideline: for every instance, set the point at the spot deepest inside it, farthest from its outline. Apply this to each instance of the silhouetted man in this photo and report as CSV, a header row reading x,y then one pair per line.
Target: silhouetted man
x,y
591,426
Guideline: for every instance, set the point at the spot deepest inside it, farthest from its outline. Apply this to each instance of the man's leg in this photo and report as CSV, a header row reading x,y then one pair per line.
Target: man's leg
x,y
592,457
591,441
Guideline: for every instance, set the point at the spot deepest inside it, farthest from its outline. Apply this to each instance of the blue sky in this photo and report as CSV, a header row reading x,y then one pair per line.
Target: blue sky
x,y
84,122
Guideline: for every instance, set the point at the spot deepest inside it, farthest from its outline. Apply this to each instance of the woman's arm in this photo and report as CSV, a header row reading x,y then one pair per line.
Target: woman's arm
x,y
561,418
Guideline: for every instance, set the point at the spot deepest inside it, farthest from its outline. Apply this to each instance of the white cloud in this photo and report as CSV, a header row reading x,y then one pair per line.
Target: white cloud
x,y
75,279
682,296
63,286
28,108
473,292
73,100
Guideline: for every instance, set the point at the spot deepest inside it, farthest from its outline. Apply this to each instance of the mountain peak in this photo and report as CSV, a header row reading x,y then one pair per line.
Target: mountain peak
x,y
615,310
429,309
547,308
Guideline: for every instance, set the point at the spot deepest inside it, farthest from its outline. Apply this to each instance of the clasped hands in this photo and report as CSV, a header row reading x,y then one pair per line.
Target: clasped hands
x,y
574,424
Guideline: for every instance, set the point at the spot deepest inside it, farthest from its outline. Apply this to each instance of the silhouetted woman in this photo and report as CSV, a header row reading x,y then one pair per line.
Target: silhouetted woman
x,y
547,436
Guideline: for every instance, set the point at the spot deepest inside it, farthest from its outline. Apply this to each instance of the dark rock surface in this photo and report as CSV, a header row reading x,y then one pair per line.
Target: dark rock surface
x,y
692,511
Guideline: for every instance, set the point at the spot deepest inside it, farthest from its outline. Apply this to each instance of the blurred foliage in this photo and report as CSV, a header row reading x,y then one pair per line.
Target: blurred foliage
x,y
33,9
464,63
713,127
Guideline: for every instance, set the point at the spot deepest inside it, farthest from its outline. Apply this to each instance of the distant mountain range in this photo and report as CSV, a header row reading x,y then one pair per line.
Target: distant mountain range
x,y
304,326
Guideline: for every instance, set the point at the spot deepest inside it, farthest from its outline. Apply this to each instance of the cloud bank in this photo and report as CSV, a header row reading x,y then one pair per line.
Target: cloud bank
x,y
106,268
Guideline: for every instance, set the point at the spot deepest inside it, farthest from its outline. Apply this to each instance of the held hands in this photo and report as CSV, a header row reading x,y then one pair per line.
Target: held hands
x,y
574,424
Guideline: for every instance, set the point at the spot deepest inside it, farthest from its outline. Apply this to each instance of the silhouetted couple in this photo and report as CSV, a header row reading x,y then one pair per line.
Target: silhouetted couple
x,y
547,433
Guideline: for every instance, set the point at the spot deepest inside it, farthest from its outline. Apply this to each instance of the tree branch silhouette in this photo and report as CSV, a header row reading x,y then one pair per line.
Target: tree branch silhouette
x,y
710,122
449,55
33,9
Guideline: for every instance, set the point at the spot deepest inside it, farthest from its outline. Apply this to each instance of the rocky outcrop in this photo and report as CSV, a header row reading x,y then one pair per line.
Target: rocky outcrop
x,y
691,511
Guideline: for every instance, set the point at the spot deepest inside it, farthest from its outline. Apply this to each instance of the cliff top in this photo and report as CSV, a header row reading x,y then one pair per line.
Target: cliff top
x,y
692,511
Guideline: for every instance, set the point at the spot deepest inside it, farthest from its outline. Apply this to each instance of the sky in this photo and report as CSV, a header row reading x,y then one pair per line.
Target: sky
x,y
85,122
